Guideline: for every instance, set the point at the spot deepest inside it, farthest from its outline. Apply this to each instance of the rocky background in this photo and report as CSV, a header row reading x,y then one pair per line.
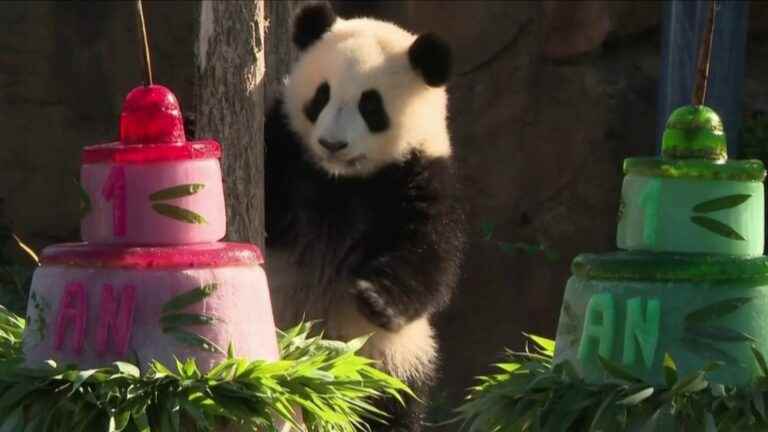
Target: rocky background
x,y
548,98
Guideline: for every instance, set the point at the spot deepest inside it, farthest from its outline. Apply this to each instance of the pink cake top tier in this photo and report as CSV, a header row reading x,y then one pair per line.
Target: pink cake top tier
x,y
218,254
151,130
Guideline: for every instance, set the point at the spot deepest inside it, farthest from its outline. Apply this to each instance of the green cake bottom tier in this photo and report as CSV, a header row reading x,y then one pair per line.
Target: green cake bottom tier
x,y
633,308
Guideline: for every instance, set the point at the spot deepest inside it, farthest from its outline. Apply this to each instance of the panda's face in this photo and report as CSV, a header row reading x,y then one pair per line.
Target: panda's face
x,y
357,102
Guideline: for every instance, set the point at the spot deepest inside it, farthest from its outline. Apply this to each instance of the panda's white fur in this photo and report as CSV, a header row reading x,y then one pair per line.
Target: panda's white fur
x,y
357,54
367,240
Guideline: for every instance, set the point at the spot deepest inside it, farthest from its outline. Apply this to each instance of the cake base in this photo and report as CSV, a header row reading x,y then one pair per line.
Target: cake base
x,y
633,309
91,306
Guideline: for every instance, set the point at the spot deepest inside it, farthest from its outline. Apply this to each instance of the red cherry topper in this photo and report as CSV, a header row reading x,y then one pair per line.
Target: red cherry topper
x,y
151,130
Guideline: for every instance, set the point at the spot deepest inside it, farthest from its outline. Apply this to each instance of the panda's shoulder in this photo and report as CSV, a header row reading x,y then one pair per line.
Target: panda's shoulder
x,y
421,176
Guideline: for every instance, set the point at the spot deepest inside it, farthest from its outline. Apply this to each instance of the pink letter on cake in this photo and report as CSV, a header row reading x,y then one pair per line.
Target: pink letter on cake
x,y
114,319
114,190
73,310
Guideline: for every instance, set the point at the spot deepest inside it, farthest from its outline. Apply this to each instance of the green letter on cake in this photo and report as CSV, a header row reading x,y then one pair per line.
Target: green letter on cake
x,y
597,335
641,331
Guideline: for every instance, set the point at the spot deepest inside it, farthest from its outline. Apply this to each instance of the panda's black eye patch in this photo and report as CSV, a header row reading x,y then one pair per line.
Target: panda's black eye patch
x,y
315,106
371,108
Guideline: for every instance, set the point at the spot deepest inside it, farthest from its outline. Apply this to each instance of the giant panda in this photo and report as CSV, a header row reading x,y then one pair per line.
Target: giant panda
x,y
364,222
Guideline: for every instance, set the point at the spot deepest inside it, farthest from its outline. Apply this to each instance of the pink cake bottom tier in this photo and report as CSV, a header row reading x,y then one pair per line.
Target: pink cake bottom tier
x,y
94,316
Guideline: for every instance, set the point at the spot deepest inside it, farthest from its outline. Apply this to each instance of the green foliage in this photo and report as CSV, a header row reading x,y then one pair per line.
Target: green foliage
x,y
331,385
488,230
17,263
530,393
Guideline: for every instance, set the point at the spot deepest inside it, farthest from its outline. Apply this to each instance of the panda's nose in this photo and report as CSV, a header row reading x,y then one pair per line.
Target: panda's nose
x,y
333,146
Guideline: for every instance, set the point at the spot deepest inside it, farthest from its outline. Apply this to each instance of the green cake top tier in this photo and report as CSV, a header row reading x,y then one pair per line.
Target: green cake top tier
x,y
692,199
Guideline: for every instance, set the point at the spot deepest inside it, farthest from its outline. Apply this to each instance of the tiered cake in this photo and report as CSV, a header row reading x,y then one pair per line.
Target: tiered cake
x,y
692,281
150,281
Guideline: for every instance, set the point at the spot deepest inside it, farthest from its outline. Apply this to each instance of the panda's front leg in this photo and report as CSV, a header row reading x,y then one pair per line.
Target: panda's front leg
x,y
374,306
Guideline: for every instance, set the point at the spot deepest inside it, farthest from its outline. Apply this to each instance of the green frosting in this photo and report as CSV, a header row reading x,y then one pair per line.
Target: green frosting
x,y
695,322
597,334
694,283
694,132
645,266
691,216
641,331
699,169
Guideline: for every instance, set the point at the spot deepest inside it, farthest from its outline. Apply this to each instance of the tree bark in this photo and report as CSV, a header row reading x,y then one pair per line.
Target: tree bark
x,y
230,106
281,52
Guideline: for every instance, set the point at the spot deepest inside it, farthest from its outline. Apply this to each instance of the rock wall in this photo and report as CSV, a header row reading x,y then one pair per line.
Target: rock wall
x,y
64,70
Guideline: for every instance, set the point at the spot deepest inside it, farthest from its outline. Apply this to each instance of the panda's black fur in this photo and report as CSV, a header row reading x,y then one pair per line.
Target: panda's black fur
x,y
400,230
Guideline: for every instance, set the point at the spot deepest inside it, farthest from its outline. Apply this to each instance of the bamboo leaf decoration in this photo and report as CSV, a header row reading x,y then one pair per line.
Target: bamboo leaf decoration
x,y
177,192
178,213
719,334
716,310
717,227
188,298
172,320
194,339
85,200
721,203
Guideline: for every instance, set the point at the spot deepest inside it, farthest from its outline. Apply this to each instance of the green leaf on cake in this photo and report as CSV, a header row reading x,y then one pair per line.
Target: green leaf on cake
x,y
185,319
194,340
616,370
717,227
716,310
706,350
760,359
189,298
721,203
670,370
177,192
178,213
718,333
85,200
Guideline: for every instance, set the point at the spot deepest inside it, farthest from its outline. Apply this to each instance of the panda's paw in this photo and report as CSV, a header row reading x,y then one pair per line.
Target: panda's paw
x,y
374,307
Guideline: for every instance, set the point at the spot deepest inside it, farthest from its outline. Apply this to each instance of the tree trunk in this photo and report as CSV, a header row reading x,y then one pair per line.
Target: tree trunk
x,y
230,106
281,52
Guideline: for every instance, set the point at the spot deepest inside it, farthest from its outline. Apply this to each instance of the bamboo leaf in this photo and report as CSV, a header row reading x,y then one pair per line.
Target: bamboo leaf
x,y
487,229
721,203
616,370
189,298
709,420
707,351
85,199
760,359
670,370
185,319
718,334
194,340
717,310
547,346
638,397
690,384
178,213
717,227
177,192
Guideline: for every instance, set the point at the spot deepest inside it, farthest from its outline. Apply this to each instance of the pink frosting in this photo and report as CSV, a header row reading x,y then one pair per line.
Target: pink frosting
x,y
72,315
151,130
240,307
143,154
130,203
216,254
115,319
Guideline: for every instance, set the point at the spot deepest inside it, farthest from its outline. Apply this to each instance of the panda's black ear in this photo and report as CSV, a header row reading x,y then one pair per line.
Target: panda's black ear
x,y
431,57
311,23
